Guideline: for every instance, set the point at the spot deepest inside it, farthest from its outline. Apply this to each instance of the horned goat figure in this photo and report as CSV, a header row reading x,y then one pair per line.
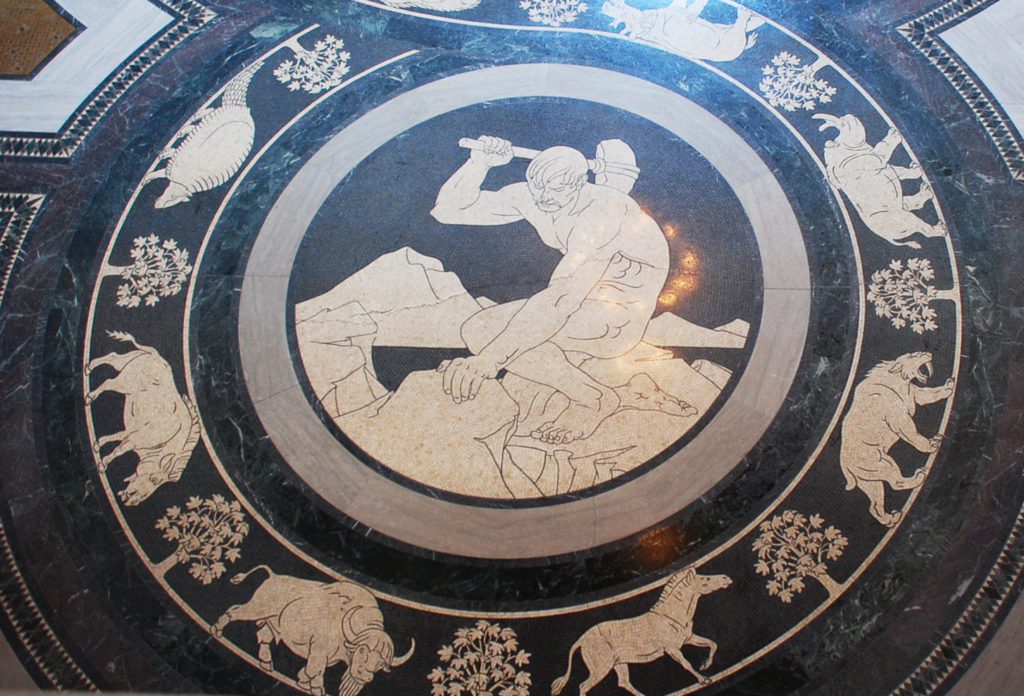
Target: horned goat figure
x,y
211,147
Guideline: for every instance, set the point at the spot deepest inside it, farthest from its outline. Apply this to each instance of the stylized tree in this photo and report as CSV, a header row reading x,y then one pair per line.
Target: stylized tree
x,y
316,70
208,532
792,547
791,86
482,661
903,295
553,12
158,269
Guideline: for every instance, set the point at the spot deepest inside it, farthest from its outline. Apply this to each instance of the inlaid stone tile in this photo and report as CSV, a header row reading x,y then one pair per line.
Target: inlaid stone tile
x,y
31,31
497,347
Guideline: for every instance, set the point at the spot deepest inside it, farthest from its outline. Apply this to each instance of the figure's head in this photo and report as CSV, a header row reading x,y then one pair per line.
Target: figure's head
x,y
851,130
555,177
626,18
913,367
369,651
174,194
152,472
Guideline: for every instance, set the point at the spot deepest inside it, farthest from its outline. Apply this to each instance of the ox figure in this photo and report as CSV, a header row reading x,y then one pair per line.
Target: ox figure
x,y
874,186
160,425
324,623
663,630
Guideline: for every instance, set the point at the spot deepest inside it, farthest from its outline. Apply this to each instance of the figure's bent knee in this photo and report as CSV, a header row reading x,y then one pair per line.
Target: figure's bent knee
x,y
481,328
473,334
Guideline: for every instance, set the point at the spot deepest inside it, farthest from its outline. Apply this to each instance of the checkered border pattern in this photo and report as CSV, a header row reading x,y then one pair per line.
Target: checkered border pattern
x,y
20,210
189,16
38,638
31,629
975,625
997,591
17,606
923,33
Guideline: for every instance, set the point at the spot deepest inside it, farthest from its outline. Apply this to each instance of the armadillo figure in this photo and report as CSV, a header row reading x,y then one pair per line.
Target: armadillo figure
x,y
211,147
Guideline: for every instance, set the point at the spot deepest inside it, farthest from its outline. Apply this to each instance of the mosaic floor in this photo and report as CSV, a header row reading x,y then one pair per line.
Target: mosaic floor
x,y
491,347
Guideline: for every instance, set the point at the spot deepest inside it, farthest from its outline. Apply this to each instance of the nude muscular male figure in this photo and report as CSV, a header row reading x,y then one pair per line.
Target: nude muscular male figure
x,y
600,296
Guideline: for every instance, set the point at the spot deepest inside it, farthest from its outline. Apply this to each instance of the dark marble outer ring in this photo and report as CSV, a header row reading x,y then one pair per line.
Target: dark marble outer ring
x,y
448,527
861,568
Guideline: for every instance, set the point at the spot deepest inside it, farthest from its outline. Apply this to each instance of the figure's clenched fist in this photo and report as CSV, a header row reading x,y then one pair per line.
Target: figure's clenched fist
x,y
492,151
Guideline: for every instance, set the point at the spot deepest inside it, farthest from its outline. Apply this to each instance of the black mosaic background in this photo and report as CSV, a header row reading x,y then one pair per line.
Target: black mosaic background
x,y
124,632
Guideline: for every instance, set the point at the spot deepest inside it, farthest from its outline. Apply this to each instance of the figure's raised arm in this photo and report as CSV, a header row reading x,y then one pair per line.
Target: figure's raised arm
x,y
461,200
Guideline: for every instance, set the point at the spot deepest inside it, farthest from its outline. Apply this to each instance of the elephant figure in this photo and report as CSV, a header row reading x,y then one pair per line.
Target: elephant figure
x,y
874,186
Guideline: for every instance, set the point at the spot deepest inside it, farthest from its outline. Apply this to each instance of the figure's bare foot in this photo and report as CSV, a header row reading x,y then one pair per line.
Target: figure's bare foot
x,y
642,393
579,420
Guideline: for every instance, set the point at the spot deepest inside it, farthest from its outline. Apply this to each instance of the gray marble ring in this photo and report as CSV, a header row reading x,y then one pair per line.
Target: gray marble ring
x,y
488,532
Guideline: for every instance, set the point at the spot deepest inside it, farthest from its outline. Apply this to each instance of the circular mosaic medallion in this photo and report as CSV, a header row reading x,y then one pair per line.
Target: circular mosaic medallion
x,y
399,308
442,347
519,298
